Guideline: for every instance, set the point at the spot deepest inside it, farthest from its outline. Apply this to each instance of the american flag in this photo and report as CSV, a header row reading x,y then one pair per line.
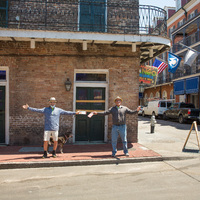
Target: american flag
x,y
160,65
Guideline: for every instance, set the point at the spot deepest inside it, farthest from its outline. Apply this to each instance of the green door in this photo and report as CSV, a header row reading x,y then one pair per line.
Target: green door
x,y
2,114
90,99
92,15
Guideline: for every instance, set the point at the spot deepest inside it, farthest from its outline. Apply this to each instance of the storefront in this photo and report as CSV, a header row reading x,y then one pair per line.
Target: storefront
x,y
187,90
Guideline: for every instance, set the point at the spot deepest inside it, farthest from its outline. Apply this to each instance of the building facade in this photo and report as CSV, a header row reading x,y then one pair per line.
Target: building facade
x,y
92,48
183,29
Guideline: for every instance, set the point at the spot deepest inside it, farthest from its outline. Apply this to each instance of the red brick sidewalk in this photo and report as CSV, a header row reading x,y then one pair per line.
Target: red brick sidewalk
x,y
73,152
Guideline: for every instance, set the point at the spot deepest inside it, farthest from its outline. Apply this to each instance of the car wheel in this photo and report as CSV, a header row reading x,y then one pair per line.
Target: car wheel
x,y
181,119
164,116
143,114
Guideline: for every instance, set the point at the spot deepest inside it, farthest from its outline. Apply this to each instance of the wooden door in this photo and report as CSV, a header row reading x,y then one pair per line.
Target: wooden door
x,y
90,99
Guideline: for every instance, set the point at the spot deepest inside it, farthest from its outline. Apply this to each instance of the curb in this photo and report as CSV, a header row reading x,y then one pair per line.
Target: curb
x,y
20,165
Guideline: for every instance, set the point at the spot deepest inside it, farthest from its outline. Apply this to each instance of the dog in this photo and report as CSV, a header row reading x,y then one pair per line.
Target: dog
x,y
61,141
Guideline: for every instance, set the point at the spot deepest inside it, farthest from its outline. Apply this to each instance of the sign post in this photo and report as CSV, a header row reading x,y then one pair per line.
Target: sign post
x,y
197,136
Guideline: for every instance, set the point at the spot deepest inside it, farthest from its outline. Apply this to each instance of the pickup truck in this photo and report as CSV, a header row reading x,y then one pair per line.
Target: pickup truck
x,y
182,112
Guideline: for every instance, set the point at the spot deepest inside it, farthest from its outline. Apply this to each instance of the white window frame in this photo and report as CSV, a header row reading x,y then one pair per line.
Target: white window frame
x,y
172,94
6,84
151,96
157,94
164,96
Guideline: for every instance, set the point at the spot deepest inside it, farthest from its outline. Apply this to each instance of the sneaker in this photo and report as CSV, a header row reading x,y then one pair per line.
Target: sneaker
x,y
54,154
113,155
126,154
45,155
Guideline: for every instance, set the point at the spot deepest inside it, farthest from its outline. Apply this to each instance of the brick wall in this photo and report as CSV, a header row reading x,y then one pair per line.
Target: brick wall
x,y
161,89
63,15
37,74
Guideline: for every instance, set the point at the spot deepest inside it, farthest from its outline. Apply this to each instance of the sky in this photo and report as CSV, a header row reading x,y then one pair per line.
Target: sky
x,y
158,3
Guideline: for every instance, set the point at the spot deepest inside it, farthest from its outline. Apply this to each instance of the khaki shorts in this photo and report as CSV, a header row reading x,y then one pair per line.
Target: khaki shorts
x,y
48,134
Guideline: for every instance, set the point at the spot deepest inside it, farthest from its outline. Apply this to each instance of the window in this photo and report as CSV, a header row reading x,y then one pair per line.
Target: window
x,y
164,95
157,94
184,105
163,104
169,104
3,13
92,15
2,75
175,105
196,12
145,99
171,94
90,77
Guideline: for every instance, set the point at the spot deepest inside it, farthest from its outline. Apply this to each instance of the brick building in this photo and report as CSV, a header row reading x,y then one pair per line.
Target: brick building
x,y
183,28
96,47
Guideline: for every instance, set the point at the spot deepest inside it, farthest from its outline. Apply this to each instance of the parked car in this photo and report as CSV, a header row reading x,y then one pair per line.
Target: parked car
x,y
156,107
140,111
182,112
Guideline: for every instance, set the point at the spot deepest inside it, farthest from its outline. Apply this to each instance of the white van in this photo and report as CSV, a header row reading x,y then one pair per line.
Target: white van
x,y
157,107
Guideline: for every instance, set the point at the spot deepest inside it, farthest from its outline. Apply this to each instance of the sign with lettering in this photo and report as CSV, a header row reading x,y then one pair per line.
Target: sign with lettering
x,y
148,75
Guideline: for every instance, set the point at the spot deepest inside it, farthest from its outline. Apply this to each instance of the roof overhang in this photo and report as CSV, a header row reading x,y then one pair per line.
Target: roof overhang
x,y
150,45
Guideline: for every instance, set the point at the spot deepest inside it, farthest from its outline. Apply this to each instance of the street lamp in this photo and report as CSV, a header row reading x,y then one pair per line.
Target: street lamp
x,y
68,84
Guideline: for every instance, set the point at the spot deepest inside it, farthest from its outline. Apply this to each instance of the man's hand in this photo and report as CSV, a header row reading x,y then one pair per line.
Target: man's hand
x,y
25,106
77,113
138,108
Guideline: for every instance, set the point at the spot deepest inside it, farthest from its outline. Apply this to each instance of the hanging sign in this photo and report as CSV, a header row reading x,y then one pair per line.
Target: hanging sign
x,y
148,75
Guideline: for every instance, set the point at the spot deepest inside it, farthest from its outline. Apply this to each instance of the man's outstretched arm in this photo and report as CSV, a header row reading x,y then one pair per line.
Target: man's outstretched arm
x,y
27,107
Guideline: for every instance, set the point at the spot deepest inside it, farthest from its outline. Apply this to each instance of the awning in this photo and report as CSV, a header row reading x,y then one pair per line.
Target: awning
x,y
179,87
192,85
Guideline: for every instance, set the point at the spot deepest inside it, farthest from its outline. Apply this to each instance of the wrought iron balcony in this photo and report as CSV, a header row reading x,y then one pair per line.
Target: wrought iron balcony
x,y
188,41
111,16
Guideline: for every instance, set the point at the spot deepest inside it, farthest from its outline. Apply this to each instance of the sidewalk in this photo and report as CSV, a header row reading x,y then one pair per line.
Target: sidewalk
x,y
74,154
165,144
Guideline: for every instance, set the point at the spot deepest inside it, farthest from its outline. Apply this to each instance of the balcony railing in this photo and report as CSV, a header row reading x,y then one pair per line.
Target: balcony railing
x,y
188,41
166,79
111,16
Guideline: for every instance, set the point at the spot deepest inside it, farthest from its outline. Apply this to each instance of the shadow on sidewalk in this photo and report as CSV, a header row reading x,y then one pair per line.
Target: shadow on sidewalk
x,y
68,148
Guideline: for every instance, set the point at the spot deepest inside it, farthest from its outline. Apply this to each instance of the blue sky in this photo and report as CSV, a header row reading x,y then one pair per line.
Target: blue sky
x,y
159,3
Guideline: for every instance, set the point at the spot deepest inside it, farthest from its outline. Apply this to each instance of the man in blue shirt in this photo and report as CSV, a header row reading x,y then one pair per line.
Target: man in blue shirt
x,y
51,125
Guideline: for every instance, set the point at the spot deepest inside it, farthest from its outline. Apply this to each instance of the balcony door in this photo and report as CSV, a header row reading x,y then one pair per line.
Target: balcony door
x,y
92,15
90,99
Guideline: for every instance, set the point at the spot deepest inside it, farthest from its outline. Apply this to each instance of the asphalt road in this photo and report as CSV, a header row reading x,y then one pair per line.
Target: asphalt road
x,y
174,180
